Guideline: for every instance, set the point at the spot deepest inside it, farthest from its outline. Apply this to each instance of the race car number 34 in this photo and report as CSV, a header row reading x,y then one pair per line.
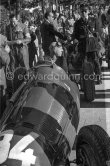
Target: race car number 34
x,y
27,158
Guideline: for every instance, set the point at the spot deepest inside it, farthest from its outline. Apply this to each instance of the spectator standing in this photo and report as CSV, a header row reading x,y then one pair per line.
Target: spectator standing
x,y
20,33
4,62
108,19
55,21
100,23
33,45
81,33
48,33
81,30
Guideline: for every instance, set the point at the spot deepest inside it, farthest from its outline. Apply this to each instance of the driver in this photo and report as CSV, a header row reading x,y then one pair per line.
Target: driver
x,y
57,54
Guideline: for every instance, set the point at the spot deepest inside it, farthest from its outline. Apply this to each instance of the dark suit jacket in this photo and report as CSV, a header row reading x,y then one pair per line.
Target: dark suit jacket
x,y
81,29
48,34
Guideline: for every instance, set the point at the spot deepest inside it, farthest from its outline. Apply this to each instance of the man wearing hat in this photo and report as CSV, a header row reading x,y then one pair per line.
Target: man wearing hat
x,y
81,30
81,33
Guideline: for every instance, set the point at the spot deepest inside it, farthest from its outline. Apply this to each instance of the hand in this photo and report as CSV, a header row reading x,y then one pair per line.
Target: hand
x,y
75,41
69,38
18,42
7,48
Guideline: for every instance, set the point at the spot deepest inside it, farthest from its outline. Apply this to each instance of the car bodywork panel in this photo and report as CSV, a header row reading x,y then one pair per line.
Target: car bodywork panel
x,y
48,114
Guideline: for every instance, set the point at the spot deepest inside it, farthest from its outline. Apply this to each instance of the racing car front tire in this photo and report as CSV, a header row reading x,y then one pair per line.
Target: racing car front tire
x,y
89,148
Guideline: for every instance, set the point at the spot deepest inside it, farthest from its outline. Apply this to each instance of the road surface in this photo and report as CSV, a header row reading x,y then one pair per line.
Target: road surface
x,y
98,111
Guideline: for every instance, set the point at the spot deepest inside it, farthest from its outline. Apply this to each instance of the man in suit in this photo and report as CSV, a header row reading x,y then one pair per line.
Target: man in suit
x,y
48,33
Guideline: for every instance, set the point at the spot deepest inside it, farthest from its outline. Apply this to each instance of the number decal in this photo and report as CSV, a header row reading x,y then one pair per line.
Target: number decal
x,y
5,144
26,157
16,153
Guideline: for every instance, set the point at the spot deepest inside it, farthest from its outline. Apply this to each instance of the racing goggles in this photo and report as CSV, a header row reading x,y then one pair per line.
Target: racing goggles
x,y
58,44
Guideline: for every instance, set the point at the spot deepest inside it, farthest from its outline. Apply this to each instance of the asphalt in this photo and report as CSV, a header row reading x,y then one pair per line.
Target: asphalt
x,y
98,111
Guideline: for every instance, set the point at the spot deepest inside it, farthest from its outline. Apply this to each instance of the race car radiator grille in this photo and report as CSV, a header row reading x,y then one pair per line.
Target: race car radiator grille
x,y
42,124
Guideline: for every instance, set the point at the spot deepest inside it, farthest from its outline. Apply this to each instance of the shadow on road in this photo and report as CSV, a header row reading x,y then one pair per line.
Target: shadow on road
x,y
105,78
95,103
103,91
103,69
100,95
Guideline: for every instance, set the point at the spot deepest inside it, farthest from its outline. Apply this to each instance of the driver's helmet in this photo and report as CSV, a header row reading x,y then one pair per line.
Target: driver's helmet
x,y
56,49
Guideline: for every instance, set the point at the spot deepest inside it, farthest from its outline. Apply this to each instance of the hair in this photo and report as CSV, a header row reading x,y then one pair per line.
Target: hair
x,y
108,12
83,7
52,49
12,16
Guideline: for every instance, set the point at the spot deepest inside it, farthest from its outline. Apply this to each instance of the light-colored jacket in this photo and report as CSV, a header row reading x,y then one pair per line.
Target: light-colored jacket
x,y
5,60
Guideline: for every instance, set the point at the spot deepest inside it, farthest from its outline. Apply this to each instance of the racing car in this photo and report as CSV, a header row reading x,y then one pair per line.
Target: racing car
x,y
39,126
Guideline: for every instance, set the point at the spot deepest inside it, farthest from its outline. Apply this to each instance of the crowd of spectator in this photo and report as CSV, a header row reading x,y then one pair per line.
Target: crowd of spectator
x,y
27,41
